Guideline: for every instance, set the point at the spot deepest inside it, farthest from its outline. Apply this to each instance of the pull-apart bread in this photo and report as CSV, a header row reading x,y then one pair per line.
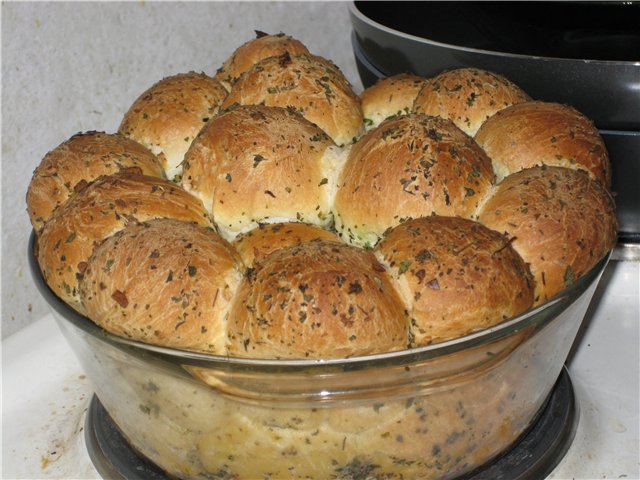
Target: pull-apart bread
x,y
308,84
559,220
78,161
409,166
468,97
256,164
390,96
259,242
544,133
98,211
319,299
251,52
455,276
269,211
165,282
168,116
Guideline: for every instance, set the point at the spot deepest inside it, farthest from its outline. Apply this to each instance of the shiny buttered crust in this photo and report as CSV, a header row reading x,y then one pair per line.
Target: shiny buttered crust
x,y
98,211
320,299
409,166
544,133
308,84
251,52
256,244
164,282
468,96
256,164
455,275
168,116
390,96
78,161
559,220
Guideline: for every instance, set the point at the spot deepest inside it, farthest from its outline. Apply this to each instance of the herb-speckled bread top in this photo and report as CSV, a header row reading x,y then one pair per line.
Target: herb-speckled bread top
x,y
468,97
560,221
319,299
455,275
308,84
168,116
409,166
251,52
98,211
256,164
77,162
259,242
165,282
286,168
390,96
544,133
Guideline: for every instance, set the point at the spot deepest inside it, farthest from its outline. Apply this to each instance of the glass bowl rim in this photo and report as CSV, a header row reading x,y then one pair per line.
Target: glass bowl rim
x,y
534,316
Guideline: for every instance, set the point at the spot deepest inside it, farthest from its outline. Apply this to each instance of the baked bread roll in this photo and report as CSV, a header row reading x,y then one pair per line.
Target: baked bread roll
x,y
308,84
455,276
168,116
78,161
98,211
390,96
467,96
409,166
544,133
560,221
166,282
256,164
251,52
256,244
320,299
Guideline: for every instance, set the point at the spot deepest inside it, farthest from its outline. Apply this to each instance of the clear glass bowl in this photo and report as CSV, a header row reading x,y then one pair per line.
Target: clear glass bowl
x,y
431,412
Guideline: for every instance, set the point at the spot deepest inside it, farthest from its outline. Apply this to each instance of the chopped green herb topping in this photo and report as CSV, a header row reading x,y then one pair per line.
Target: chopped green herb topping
x,y
404,266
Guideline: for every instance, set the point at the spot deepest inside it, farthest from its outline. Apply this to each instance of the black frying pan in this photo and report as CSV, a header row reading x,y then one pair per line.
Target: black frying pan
x,y
586,54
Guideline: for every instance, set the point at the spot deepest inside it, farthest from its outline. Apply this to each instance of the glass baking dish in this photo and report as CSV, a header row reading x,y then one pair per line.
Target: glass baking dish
x,y
431,412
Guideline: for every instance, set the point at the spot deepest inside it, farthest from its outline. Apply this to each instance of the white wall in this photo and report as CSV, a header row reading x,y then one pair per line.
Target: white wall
x,y
71,67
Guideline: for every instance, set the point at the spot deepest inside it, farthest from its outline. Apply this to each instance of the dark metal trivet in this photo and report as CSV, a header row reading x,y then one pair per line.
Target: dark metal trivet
x,y
541,448
112,455
534,456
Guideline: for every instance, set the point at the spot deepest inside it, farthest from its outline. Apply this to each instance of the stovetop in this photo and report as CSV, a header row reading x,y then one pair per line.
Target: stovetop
x,y
46,394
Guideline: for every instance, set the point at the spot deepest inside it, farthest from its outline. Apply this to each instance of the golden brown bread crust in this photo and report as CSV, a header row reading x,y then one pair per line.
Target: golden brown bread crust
x,y
78,161
390,96
309,84
251,52
455,275
98,211
166,282
270,163
544,133
259,242
320,299
468,96
561,222
409,166
168,116
257,164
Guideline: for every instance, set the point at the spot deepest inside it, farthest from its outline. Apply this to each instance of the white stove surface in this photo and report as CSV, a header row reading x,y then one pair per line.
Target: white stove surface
x,y
46,394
